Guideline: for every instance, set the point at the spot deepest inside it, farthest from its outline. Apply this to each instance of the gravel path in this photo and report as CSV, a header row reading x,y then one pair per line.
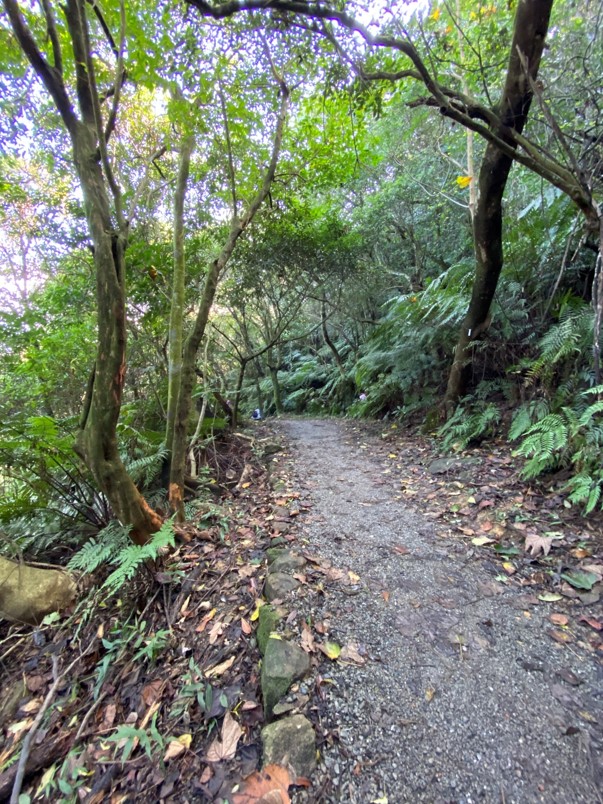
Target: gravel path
x,y
465,698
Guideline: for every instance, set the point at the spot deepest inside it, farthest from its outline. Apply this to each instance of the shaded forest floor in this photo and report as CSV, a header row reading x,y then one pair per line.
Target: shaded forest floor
x,y
468,604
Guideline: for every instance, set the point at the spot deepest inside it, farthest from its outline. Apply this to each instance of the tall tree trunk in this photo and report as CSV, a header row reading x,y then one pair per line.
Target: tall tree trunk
x,y
97,438
178,290
531,26
276,387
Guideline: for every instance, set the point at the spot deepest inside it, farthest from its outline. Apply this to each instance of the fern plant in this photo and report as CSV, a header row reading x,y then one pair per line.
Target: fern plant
x,y
475,420
569,438
112,546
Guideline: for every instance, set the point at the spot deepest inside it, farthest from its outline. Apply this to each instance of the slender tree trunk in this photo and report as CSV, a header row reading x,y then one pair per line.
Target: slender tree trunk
x,y
327,339
531,26
276,388
178,291
193,341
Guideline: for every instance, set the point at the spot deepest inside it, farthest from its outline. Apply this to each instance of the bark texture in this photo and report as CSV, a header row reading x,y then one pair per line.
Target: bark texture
x,y
89,133
531,26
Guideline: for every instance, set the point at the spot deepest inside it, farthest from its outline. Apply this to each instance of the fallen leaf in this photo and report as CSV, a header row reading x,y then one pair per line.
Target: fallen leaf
x,y
151,692
177,746
221,668
256,612
349,653
385,596
535,543
549,597
31,707
596,624
480,541
509,568
401,550
331,650
307,641
245,627
269,786
559,619
203,624
225,747
353,577
563,637
184,606
580,580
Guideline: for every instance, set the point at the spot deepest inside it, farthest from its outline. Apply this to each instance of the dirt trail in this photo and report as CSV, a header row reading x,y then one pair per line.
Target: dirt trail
x,y
464,698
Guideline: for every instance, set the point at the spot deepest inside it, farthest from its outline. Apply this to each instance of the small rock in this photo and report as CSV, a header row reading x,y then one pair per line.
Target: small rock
x,y
283,664
273,553
279,585
288,562
290,742
268,619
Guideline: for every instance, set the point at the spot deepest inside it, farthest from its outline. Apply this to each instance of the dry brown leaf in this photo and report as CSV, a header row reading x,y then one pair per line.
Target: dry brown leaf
x,y
177,746
31,707
226,746
307,640
245,626
269,786
563,637
109,716
385,596
203,624
559,619
216,631
221,668
151,692
535,543
349,653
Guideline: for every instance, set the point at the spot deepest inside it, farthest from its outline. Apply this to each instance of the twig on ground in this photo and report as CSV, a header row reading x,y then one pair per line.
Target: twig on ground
x,y
28,741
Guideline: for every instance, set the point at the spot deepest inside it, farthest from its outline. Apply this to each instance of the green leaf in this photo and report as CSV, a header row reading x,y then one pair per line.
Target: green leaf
x,y
580,580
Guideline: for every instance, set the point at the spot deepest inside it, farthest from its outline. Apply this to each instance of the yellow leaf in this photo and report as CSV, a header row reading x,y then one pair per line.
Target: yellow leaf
x,y
392,455
331,650
353,577
429,693
509,568
436,15
245,485
221,668
463,181
256,613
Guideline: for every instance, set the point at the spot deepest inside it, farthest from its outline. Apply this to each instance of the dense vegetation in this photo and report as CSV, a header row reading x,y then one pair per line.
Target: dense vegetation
x,y
282,209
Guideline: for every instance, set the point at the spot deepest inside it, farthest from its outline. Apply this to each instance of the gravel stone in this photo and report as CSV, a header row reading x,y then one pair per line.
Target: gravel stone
x,y
460,699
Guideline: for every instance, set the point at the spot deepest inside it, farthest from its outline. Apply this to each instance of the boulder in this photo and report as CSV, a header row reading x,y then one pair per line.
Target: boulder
x,y
290,742
28,594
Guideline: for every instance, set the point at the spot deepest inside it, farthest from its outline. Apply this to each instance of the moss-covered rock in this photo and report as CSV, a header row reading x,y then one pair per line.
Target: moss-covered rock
x,y
290,742
283,664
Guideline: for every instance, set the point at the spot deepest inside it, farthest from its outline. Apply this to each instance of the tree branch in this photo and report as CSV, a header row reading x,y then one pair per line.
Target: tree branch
x,y
50,76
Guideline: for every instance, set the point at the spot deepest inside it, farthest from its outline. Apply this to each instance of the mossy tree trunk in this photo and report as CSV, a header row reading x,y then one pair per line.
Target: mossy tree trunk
x,y
89,133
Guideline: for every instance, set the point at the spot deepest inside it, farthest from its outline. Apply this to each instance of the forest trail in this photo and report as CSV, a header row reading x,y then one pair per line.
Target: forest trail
x,y
464,696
